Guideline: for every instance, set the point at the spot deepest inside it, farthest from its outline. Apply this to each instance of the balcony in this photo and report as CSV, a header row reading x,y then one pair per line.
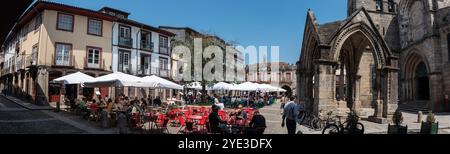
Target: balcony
x,y
126,69
64,63
147,45
143,70
31,60
99,66
164,73
164,50
126,42
160,72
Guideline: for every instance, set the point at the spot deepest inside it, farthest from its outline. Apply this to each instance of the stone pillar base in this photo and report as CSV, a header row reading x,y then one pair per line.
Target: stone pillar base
x,y
380,120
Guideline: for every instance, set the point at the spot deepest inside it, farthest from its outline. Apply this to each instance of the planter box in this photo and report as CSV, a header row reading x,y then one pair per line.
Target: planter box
x,y
54,98
429,128
393,129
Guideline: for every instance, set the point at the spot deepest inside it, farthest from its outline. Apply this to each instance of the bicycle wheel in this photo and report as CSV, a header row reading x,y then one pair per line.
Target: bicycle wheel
x,y
357,128
314,122
331,129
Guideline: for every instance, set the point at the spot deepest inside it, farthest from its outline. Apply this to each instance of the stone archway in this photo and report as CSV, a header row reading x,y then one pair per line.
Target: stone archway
x,y
288,90
416,81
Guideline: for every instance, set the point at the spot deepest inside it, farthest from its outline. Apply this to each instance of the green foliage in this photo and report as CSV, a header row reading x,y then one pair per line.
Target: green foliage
x,y
431,118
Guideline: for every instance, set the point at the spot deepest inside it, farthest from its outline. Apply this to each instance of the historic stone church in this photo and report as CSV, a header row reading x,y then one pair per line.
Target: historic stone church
x,y
387,54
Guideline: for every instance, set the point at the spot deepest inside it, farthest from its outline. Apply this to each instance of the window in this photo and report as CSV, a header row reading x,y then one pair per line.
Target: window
x,y
448,45
163,64
379,5
125,36
63,54
65,22
163,42
38,21
93,57
95,27
124,61
146,40
125,31
34,55
391,6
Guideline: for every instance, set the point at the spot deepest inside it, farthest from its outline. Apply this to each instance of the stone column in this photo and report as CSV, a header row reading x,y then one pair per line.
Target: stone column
x,y
357,93
323,88
436,91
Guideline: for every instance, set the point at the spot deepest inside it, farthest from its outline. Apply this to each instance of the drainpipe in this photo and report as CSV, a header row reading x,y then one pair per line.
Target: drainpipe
x,y
112,44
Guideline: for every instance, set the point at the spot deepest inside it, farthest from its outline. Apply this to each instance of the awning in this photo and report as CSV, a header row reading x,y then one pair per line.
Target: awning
x,y
74,78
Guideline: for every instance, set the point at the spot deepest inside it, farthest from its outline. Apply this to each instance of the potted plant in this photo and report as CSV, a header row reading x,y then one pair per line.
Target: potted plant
x,y
430,126
397,128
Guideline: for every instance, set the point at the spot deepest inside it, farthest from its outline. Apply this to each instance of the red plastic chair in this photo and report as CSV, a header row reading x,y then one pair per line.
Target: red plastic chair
x,y
202,124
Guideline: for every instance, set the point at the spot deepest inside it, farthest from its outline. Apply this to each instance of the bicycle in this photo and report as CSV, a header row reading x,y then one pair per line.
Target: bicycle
x,y
350,126
311,120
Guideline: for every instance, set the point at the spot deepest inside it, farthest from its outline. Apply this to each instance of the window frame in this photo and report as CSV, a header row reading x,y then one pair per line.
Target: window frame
x,y
100,50
88,27
167,64
56,53
448,46
58,19
379,2
120,66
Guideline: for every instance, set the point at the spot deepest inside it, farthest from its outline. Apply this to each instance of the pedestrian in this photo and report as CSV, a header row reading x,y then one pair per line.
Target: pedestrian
x,y
290,115
258,123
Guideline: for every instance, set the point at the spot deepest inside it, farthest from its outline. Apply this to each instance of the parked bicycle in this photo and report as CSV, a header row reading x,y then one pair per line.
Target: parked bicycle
x,y
308,118
350,126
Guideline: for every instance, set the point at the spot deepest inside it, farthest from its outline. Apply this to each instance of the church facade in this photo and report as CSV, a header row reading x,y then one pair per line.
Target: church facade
x,y
386,55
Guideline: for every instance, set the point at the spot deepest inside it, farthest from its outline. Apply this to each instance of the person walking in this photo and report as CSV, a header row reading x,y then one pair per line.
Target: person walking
x,y
290,115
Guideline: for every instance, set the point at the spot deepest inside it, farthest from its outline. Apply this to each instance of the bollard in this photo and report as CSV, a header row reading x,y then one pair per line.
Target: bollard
x,y
58,106
104,117
122,123
419,117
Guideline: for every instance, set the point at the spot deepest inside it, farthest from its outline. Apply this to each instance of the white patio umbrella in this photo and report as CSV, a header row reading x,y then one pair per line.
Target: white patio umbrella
x,y
74,78
222,86
267,88
161,83
118,79
247,86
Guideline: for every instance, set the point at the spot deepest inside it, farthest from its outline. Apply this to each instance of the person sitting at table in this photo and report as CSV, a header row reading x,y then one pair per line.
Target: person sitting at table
x,y
109,105
258,123
218,103
157,101
216,124
143,103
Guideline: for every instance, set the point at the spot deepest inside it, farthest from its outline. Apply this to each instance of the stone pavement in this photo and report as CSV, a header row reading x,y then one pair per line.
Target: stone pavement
x,y
15,118
26,105
273,120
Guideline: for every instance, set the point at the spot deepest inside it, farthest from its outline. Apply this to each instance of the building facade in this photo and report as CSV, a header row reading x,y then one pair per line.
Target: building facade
x,y
140,49
284,76
390,54
185,37
52,40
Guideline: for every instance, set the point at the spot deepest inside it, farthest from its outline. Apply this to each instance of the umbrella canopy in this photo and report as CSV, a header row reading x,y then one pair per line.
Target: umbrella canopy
x,y
222,86
118,79
247,86
267,88
162,83
74,78
194,85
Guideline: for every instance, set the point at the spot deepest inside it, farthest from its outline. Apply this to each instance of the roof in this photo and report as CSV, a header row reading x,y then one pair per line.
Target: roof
x,y
39,6
14,9
328,29
114,10
180,28
145,26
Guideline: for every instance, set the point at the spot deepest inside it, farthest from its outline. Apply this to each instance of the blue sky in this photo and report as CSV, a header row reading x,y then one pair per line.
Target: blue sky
x,y
249,22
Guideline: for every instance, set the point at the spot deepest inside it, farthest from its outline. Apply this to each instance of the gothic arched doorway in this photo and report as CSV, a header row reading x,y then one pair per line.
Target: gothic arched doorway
x,y
422,82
